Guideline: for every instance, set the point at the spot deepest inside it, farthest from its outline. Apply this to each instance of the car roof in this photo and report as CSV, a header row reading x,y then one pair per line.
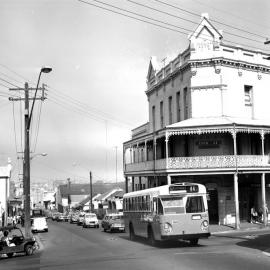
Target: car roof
x,y
8,228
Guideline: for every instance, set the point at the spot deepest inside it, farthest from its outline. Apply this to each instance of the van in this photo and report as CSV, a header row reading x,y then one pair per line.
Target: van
x,y
39,224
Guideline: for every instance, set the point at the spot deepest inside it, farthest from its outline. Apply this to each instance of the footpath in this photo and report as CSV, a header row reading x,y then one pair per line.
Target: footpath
x,y
246,227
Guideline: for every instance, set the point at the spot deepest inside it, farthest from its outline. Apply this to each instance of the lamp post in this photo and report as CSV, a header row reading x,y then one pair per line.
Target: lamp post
x,y
26,165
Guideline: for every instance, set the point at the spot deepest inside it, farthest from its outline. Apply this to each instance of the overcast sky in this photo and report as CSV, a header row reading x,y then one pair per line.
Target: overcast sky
x,y
96,90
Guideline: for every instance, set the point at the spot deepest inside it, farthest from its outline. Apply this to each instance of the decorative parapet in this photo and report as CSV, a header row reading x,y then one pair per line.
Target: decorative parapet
x,y
203,162
138,167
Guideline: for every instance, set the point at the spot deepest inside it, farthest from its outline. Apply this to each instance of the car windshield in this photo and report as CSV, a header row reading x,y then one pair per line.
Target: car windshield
x,y
15,232
90,216
117,217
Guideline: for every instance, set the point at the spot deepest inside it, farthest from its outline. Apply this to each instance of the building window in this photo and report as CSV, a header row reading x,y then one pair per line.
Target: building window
x,y
185,103
248,95
154,117
161,115
178,106
170,110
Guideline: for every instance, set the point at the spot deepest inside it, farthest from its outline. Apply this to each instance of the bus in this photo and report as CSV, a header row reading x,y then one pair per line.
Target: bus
x,y
169,212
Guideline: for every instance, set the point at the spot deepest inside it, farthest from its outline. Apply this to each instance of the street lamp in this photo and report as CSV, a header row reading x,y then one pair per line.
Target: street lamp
x,y
43,70
38,154
26,167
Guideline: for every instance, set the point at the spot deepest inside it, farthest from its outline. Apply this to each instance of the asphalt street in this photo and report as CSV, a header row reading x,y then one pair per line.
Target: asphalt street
x,y
68,246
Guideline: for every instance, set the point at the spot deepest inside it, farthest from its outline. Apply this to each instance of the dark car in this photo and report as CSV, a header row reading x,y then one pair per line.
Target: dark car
x,y
113,222
18,243
60,218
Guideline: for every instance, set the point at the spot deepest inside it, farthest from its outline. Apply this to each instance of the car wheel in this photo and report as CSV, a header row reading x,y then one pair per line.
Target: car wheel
x,y
194,242
28,249
131,233
10,255
97,226
46,230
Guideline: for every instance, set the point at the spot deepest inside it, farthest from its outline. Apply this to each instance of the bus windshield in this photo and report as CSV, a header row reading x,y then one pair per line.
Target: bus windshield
x,y
173,205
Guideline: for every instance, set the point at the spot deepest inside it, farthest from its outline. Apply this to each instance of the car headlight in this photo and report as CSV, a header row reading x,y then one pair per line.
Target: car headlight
x,y
167,227
204,225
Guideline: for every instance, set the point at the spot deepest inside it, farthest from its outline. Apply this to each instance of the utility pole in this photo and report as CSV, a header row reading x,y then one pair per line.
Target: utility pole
x,y
115,164
26,160
91,194
69,194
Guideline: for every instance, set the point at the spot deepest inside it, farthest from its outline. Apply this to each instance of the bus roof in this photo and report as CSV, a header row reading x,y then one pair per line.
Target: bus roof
x,y
167,189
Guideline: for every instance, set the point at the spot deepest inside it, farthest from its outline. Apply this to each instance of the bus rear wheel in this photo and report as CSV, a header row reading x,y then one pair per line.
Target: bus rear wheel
x,y
131,233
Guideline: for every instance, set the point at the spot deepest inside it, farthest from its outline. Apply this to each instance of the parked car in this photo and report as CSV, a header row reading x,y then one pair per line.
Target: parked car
x,y
113,222
74,218
90,220
18,243
65,217
55,215
80,219
39,224
60,217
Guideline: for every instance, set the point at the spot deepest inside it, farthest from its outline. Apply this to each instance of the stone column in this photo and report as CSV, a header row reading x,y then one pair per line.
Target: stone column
x,y
167,149
236,197
132,179
126,184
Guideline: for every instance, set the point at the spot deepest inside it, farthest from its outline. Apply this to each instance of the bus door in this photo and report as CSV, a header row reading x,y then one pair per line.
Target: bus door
x,y
157,211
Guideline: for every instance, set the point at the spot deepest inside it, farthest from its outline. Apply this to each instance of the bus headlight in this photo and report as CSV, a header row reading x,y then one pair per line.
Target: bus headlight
x,y
204,225
167,227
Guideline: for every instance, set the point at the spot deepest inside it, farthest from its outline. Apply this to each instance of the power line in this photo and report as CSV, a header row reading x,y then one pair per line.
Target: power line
x,y
62,99
231,14
14,126
172,15
37,128
216,21
161,26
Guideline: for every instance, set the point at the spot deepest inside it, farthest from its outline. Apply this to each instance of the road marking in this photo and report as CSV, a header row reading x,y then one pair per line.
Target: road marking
x,y
266,253
199,252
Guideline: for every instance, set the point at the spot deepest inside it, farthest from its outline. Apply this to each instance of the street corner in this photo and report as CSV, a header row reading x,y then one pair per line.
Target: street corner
x,y
266,252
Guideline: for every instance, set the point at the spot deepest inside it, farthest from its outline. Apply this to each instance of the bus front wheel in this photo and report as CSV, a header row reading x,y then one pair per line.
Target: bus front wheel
x,y
151,238
131,233
194,241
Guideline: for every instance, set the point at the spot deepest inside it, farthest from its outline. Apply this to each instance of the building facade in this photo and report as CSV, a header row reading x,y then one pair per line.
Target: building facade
x,y
5,174
209,122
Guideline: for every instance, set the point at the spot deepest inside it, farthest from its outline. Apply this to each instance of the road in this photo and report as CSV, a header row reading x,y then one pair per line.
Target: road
x,y
68,246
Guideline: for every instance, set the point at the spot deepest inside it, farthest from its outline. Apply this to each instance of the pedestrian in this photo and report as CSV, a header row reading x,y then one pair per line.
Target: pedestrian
x,y
254,215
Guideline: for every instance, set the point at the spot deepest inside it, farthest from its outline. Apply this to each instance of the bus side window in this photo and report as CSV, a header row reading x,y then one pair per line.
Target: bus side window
x,y
154,205
160,207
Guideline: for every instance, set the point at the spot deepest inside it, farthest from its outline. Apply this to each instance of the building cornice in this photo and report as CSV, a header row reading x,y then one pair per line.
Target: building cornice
x,y
216,62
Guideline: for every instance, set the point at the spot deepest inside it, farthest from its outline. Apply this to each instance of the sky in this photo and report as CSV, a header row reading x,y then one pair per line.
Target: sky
x,y
99,60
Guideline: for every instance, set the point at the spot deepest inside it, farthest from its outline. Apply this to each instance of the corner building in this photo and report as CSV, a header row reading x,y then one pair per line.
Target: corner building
x,y
209,123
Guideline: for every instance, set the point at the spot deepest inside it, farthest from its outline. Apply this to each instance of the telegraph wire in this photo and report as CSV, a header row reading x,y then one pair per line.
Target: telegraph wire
x,y
213,20
172,15
82,107
10,78
37,127
162,26
231,14
137,19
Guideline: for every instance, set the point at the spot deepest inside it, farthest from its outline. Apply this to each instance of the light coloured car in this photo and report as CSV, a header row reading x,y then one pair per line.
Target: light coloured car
x,y
39,224
90,220
113,222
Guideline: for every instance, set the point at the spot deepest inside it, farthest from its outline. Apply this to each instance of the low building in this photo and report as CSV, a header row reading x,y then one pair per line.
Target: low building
x,y
5,174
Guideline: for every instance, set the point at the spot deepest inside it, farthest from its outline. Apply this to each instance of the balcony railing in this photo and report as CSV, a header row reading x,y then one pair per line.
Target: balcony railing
x,y
202,162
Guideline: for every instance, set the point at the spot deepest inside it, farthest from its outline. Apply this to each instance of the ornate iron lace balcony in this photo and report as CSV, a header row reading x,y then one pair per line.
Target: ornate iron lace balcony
x,y
202,162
